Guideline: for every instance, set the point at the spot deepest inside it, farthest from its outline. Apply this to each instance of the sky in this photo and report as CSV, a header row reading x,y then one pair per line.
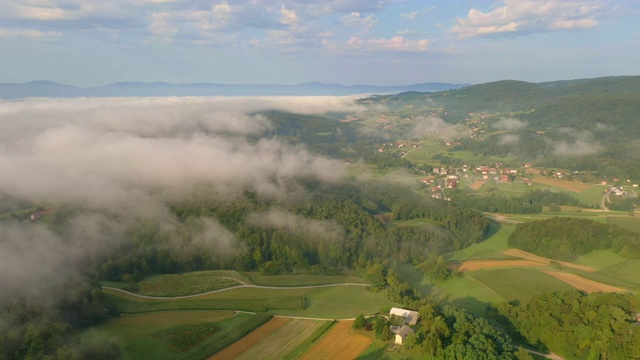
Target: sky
x,y
378,42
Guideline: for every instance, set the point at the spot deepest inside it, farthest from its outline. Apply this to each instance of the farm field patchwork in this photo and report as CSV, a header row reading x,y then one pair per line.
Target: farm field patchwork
x,y
489,249
281,342
540,259
520,283
238,347
474,265
583,284
301,280
188,283
329,302
339,343
627,270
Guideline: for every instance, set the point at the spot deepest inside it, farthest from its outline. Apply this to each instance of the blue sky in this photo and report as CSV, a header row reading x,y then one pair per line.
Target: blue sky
x,y
383,42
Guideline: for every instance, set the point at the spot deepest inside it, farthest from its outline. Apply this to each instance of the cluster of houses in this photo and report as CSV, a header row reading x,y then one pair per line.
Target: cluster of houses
x,y
397,145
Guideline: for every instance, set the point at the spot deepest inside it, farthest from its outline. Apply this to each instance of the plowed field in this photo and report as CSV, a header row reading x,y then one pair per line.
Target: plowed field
x,y
339,343
234,350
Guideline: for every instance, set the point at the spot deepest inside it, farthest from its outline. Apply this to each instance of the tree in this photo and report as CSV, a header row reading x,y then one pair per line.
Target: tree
x,y
359,322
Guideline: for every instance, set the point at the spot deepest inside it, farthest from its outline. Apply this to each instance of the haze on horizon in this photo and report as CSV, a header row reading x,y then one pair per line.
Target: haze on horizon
x,y
384,42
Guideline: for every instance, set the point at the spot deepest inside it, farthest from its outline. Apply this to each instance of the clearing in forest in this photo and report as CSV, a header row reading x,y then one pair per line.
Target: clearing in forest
x,y
339,343
583,284
234,350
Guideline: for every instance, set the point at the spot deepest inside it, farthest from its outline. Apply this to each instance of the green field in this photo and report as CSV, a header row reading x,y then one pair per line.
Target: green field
x,y
188,283
490,249
301,280
625,222
600,259
628,271
332,302
519,283
141,336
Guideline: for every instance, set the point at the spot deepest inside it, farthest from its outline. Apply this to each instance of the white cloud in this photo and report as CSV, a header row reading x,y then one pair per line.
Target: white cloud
x,y
396,43
28,33
355,19
410,16
509,124
528,16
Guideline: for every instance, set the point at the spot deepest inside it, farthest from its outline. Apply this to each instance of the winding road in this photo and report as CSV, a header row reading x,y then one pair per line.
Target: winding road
x,y
241,286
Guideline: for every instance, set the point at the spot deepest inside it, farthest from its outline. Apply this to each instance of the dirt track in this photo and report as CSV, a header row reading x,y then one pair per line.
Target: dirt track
x,y
583,284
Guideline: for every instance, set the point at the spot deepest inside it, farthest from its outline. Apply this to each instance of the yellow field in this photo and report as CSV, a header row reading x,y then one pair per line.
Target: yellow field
x,y
583,284
339,343
574,186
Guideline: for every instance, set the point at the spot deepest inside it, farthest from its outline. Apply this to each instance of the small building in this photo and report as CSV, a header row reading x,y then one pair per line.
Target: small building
x,y
402,334
410,316
37,215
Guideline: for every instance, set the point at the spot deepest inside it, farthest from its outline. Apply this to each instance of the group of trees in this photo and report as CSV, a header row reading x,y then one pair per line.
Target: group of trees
x,y
32,328
356,238
578,326
565,238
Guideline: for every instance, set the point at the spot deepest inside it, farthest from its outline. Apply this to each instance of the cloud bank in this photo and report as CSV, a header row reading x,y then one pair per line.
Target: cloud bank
x,y
119,161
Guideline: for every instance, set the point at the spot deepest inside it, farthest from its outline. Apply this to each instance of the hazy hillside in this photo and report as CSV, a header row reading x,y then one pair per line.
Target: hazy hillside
x,y
52,89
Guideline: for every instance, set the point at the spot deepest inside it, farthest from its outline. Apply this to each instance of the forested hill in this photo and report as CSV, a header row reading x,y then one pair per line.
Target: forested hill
x,y
586,124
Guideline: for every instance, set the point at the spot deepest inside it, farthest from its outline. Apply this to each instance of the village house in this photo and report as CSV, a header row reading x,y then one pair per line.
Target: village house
x,y
403,319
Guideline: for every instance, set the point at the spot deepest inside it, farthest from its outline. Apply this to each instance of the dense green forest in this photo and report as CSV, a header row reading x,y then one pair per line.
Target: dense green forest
x,y
351,239
31,329
578,326
566,238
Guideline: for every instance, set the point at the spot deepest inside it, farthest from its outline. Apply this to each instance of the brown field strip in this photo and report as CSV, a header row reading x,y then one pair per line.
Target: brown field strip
x,y
583,284
529,256
339,343
574,186
234,350
487,264
283,341
477,185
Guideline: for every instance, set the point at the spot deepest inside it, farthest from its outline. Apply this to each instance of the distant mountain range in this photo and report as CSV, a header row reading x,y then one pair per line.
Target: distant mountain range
x,y
123,89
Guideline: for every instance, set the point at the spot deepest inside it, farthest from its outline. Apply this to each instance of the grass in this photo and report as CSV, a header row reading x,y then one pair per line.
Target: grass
x,y
185,284
150,347
600,259
489,249
283,341
132,305
625,222
519,283
333,302
135,333
185,336
311,340
468,293
627,271
301,280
